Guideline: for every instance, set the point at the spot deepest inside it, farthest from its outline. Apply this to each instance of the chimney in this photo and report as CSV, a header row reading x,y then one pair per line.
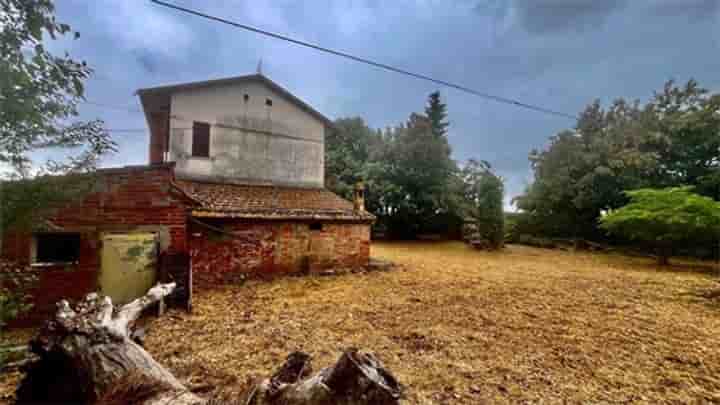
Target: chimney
x,y
359,196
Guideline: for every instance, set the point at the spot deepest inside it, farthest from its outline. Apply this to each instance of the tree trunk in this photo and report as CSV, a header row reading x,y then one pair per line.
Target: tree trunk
x,y
664,253
356,379
88,355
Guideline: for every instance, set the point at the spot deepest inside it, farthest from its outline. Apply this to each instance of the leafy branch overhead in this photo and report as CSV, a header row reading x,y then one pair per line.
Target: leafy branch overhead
x,y
39,93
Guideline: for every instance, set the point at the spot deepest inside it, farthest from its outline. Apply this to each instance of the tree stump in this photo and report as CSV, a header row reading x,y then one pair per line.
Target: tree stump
x,y
356,379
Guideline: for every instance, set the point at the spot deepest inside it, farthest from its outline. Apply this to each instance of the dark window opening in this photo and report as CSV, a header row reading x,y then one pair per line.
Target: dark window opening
x,y
201,139
316,226
268,102
57,247
246,97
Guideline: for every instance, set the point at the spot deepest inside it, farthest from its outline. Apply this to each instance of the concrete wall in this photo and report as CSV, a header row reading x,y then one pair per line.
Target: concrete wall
x,y
249,141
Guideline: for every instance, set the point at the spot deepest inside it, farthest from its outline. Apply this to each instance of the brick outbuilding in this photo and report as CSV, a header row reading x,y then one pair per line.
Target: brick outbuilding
x,y
234,188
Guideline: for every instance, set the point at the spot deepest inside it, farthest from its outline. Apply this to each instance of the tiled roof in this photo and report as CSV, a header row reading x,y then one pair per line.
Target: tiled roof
x,y
269,202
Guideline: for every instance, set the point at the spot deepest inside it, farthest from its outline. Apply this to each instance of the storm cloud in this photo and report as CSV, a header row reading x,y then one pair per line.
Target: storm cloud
x,y
559,54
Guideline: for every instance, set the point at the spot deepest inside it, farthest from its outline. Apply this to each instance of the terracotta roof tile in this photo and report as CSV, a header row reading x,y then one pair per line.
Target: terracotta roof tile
x,y
269,202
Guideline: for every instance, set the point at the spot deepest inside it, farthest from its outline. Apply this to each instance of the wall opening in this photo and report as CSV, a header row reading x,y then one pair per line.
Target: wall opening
x,y
268,102
56,248
201,139
316,226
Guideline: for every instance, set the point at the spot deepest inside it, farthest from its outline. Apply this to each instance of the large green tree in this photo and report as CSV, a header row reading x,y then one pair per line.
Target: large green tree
x,y
418,167
483,193
666,218
411,178
671,140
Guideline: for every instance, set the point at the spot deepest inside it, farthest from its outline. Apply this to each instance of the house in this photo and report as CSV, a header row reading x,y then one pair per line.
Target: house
x,y
234,187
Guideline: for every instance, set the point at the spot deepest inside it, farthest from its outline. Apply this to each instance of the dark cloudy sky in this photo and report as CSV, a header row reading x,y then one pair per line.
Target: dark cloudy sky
x,y
560,54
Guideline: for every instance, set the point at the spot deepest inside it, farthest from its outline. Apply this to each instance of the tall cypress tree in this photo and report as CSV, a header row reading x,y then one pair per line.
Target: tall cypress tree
x,y
436,111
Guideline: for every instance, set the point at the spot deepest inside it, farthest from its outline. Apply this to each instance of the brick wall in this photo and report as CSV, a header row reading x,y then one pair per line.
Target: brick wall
x,y
267,248
125,200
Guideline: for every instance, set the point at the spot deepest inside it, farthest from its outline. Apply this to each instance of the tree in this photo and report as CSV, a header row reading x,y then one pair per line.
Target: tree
x,y
347,153
665,218
670,141
39,93
419,171
436,111
484,191
412,182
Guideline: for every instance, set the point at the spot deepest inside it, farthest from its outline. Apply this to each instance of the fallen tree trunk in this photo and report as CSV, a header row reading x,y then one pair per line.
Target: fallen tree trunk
x,y
89,355
87,352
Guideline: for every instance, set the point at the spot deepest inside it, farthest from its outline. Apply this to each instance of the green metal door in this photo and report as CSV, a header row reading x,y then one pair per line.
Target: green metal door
x,y
128,265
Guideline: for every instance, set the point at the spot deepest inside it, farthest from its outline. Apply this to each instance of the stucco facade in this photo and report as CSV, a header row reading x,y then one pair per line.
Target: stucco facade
x,y
258,134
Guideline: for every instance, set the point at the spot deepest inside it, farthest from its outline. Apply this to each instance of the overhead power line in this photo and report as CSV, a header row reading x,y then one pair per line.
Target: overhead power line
x,y
112,107
465,89
127,130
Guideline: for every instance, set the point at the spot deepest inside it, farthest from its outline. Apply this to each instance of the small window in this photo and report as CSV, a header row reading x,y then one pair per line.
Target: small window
x,y
57,247
201,139
316,226
268,102
246,97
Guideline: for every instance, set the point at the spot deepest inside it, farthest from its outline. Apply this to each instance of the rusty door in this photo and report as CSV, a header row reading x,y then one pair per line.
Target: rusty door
x,y
128,265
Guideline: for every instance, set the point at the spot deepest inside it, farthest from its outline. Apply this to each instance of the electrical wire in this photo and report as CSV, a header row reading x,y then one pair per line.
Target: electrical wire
x,y
380,65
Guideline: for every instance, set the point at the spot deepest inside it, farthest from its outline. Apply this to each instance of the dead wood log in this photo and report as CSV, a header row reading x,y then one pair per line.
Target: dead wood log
x,y
87,355
356,379
88,351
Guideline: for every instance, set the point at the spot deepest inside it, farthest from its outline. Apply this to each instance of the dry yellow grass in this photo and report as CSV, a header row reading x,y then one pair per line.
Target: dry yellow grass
x,y
461,326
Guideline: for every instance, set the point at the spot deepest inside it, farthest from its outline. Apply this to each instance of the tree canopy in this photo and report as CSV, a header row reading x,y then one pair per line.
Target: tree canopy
x,y
665,217
413,183
39,93
672,140
484,191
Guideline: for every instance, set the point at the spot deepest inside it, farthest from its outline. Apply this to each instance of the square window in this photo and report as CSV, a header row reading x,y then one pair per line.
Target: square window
x,y
201,139
268,102
316,226
57,247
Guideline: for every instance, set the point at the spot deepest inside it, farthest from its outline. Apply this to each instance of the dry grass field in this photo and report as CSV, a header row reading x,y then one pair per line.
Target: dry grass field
x,y
460,326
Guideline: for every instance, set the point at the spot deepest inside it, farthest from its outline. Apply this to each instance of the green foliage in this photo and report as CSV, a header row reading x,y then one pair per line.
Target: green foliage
x,y
15,281
436,111
411,179
39,93
673,140
665,217
484,191
348,148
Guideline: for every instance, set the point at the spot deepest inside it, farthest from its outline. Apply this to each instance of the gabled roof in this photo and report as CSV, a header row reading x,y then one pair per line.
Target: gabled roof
x,y
269,202
168,89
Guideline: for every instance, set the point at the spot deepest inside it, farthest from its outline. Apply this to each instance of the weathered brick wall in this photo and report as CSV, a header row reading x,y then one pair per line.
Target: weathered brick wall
x,y
268,248
125,200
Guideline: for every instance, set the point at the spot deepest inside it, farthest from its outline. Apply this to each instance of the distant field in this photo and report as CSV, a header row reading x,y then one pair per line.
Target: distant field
x,y
461,326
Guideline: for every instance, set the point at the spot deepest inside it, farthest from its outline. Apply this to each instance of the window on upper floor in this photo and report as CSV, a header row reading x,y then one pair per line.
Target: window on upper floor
x,y
201,139
268,102
58,247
